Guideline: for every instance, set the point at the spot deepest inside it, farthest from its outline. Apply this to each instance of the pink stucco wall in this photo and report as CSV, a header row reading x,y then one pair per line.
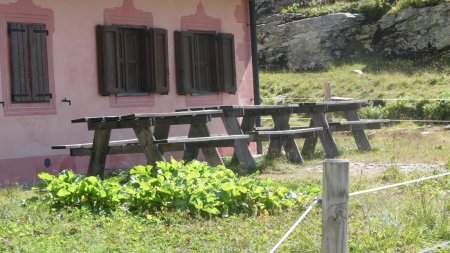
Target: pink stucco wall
x,y
26,139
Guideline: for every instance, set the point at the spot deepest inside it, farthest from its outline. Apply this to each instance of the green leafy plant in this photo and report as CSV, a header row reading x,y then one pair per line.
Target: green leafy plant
x,y
437,110
193,188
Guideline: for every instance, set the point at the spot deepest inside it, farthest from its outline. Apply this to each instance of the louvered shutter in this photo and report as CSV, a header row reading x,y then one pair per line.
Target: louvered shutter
x,y
160,61
110,60
20,69
227,64
39,63
184,57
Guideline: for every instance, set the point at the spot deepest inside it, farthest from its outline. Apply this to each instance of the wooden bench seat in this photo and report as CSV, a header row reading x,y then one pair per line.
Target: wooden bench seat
x,y
165,145
183,143
115,147
357,125
264,133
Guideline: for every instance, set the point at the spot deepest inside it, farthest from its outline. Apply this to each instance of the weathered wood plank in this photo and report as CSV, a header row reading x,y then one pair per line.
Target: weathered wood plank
x,y
151,151
187,113
326,138
211,154
171,144
248,124
100,150
358,134
120,124
218,139
357,125
241,151
161,131
183,120
113,150
287,133
335,206
89,145
281,122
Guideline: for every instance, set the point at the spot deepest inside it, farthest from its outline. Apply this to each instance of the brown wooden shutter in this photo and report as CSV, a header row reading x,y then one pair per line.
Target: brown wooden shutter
x,y
20,68
39,62
184,50
227,64
159,67
110,60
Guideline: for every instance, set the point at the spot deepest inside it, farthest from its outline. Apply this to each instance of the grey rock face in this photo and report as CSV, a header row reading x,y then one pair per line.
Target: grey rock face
x,y
414,31
310,43
298,43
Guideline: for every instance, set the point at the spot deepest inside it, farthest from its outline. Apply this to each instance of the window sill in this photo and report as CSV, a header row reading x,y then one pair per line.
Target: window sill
x,y
29,109
204,93
126,100
132,94
204,99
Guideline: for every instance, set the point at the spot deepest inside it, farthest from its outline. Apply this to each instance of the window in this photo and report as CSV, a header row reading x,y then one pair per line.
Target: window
x,y
132,60
205,62
28,62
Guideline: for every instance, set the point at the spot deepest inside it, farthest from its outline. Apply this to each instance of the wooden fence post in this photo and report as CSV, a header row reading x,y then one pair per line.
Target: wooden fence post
x,y
327,93
335,206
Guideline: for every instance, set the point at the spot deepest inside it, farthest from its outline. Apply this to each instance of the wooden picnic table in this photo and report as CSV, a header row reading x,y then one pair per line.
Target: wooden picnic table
x,y
280,136
154,143
350,108
284,135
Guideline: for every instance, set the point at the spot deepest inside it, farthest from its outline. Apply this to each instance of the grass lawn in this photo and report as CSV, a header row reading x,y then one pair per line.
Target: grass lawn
x,y
411,79
406,219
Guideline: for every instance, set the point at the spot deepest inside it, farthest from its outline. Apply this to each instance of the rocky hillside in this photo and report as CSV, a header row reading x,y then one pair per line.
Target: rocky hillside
x,y
297,42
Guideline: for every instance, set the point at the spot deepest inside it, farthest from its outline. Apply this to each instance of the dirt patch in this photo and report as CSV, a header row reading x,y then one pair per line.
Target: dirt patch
x,y
365,169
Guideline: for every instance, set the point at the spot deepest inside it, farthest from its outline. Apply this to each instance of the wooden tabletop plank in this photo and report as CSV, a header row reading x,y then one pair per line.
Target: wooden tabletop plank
x,y
330,106
171,114
257,110
290,131
203,139
96,119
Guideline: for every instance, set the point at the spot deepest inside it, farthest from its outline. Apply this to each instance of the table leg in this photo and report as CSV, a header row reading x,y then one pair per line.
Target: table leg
x,y
211,154
100,149
151,151
358,134
161,131
241,151
310,143
326,138
290,146
247,125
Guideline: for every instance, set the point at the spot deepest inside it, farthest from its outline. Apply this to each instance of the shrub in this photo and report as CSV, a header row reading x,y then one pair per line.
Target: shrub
x,y
372,112
400,110
403,4
437,110
190,188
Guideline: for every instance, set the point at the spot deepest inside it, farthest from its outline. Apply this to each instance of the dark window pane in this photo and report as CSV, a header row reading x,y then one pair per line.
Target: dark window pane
x,y
205,58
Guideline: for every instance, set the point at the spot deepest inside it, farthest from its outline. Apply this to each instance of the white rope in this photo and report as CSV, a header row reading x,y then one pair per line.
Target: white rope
x,y
313,204
370,99
420,120
318,201
442,245
398,184
392,120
